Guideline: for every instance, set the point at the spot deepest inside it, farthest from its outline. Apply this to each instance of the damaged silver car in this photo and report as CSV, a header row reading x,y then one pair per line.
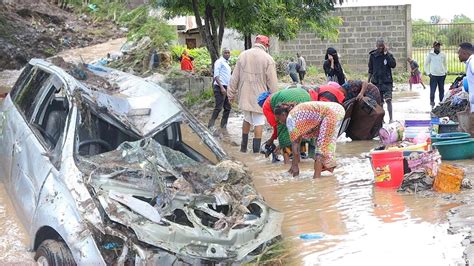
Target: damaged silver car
x,y
106,168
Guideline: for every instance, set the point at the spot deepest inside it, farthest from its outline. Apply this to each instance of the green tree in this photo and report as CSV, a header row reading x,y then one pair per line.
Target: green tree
x,y
458,19
282,18
285,19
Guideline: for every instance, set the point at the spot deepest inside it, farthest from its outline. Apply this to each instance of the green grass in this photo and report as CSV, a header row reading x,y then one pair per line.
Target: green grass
x,y
191,99
276,254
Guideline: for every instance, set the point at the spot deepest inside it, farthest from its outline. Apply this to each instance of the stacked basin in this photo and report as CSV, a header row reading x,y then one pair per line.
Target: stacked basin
x,y
454,146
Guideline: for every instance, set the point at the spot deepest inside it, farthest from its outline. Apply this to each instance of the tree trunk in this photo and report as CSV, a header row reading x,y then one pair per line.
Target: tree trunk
x,y
211,32
247,41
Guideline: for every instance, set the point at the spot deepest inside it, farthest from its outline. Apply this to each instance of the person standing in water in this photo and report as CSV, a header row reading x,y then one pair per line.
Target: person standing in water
x,y
381,62
318,120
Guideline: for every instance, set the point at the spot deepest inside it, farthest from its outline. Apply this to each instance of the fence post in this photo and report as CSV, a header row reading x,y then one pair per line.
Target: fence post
x,y
408,29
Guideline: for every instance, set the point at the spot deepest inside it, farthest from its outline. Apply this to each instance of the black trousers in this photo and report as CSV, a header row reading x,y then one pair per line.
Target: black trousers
x,y
436,81
222,102
302,74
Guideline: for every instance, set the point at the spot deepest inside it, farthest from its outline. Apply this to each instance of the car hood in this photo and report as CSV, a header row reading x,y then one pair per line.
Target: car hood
x,y
175,203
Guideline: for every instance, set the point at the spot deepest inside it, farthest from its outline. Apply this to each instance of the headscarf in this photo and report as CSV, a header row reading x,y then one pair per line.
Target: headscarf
x,y
337,65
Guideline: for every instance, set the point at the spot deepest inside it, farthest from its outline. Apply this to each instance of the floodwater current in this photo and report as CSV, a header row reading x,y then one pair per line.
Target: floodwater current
x,y
358,223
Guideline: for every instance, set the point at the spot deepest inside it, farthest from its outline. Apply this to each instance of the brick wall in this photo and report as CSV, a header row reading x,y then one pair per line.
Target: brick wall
x,y
358,34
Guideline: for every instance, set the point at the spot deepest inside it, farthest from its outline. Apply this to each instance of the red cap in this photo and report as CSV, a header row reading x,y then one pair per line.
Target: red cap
x,y
263,40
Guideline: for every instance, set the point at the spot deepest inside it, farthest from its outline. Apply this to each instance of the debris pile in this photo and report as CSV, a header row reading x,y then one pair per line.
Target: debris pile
x,y
425,172
82,73
159,173
456,102
138,58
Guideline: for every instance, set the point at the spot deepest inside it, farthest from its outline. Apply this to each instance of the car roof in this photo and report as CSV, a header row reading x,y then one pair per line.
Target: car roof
x,y
142,104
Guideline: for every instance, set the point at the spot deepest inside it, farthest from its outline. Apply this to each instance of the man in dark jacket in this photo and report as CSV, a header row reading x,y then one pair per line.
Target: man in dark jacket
x,y
381,62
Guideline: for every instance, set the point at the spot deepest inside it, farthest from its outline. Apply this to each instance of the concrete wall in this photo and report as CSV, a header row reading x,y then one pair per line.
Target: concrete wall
x,y
231,40
358,34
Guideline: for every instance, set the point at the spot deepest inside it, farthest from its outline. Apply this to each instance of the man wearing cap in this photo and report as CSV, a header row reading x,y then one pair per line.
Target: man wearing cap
x,y
436,68
254,73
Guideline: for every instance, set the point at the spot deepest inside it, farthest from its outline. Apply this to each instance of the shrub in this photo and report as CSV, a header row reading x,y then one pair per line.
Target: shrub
x,y
202,59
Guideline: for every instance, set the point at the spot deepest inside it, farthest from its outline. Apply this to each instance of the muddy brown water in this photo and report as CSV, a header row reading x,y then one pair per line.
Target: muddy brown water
x,y
359,224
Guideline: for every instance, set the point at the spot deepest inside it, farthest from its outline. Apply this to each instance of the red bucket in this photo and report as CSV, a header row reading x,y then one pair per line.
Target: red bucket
x,y
388,168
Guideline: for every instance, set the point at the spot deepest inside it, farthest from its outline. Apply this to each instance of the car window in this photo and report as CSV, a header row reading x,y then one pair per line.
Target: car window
x,y
181,137
50,113
20,82
27,90
192,139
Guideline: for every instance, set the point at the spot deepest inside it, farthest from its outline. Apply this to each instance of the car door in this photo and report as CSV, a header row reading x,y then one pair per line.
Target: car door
x,y
31,158
8,136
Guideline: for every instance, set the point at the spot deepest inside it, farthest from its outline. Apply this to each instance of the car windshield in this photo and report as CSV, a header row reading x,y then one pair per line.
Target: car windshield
x,y
103,132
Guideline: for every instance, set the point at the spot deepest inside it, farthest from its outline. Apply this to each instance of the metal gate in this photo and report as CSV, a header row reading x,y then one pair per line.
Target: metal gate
x,y
450,35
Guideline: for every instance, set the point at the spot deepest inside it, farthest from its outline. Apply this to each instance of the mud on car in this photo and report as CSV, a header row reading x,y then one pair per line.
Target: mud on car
x,y
106,168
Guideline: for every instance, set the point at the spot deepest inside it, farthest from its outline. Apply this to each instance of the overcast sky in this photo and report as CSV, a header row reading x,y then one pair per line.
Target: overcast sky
x,y
424,9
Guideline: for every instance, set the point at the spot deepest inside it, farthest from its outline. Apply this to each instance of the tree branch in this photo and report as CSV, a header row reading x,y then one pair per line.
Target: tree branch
x,y
211,39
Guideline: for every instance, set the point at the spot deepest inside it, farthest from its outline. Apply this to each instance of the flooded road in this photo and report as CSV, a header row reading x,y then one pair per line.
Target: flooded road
x,y
359,224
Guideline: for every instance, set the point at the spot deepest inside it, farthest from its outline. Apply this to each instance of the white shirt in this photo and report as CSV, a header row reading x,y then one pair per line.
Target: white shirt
x,y
436,64
223,71
470,79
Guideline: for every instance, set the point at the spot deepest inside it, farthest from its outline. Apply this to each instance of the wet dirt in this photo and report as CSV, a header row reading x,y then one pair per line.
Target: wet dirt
x,y
39,29
87,55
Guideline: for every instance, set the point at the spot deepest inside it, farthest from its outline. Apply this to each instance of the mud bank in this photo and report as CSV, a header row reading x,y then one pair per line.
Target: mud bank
x,y
38,29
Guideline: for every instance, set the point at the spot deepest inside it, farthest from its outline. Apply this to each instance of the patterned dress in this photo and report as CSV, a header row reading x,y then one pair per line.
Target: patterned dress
x,y
319,120
294,95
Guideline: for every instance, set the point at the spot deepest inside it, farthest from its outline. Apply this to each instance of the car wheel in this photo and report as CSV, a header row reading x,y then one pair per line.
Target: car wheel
x,y
54,253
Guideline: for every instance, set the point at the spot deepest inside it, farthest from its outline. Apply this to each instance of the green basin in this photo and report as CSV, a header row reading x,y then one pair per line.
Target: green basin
x,y
450,136
457,149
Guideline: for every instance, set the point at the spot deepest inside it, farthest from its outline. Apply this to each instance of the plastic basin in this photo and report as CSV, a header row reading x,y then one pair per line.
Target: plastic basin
x,y
417,123
457,149
388,168
450,136
416,147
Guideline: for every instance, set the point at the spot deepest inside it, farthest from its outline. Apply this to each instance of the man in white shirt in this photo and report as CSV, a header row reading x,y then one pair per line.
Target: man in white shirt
x,y
302,68
436,67
466,54
222,74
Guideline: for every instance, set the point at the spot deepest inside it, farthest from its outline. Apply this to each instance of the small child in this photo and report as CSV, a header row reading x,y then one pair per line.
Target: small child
x,y
415,77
